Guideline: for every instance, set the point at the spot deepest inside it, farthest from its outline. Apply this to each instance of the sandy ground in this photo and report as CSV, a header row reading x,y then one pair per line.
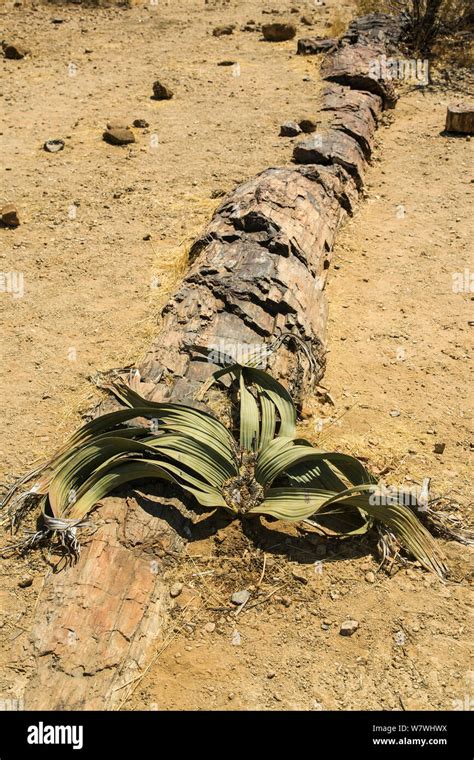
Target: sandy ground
x,y
398,337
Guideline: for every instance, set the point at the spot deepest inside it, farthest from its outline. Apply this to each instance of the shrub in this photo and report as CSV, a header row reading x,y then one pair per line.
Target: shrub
x,y
266,470
427,20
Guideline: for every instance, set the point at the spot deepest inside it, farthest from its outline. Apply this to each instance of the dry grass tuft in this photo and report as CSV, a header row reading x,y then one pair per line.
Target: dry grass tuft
x,y
339,23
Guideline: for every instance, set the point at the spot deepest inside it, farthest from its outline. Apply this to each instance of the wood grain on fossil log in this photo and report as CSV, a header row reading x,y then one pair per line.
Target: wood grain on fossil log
x,y
460,119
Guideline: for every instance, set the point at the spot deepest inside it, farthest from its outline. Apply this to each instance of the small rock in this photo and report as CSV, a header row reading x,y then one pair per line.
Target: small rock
x,y
290,129
116,125
53,146
240,597
118,136
147,236
226,63
236,639
271,674
210,627
14,50
395,413
278,32
297,575
140,124
220,31
325,625
370,576
176,589
306,21
308,125
286,601
25,582
348,627
161,91
9,215
439,447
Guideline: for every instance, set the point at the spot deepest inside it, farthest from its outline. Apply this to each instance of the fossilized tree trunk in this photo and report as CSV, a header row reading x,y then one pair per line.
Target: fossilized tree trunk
x,y
258,270
460,119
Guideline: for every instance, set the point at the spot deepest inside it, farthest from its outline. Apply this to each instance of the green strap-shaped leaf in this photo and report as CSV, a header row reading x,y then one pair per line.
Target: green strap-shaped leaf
x,y
350,467
192,454
291,504
198,457
300,504
278,460
278,395
268,417
105,480
411,533
168,415
267,455
341,521
249,418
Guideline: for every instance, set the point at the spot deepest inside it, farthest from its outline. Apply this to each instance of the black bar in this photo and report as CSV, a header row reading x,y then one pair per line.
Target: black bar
x,y
133,734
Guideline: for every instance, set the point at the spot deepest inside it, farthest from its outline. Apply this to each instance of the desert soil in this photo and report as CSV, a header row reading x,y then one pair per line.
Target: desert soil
x,y
399,338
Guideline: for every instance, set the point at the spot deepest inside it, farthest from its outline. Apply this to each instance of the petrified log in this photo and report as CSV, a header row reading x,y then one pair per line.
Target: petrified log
x,y
460,119
258,271
360,129
379,29
315,45
339,98
355,113
261,270
334,147
359,66
98,621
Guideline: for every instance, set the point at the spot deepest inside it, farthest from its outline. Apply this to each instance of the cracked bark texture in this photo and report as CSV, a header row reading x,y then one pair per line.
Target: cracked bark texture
x,y
96,623
258,270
